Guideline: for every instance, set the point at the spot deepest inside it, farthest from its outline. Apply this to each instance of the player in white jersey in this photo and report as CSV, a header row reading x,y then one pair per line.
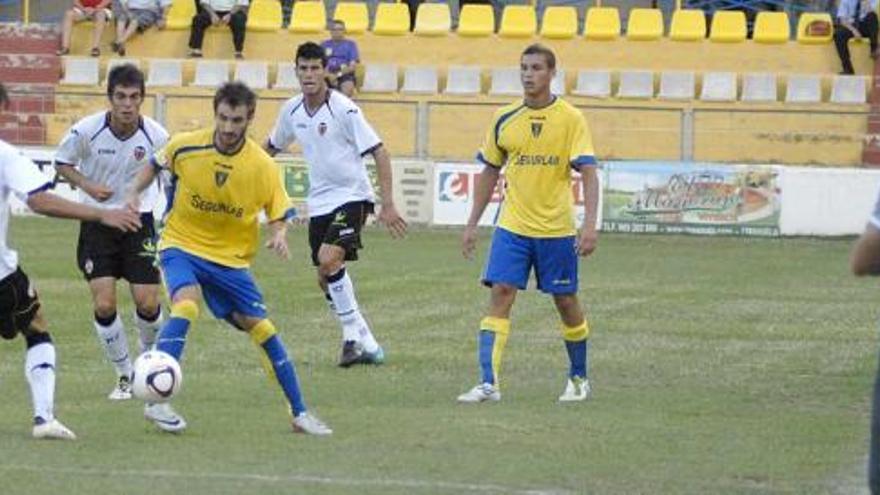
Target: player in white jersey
x,y
20,310
101,155
335,137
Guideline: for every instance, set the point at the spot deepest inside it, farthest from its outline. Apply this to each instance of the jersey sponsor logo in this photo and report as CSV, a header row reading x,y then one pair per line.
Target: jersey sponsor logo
x,y
139,153
322,128
454,187
202,204
106,151
537,127
301,126
549,160
220,177
352,111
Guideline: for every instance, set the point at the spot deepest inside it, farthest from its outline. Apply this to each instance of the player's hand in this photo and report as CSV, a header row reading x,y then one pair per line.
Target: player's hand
x,y
469,242
278,244
122,219
99,192
586,242
133,202
392,220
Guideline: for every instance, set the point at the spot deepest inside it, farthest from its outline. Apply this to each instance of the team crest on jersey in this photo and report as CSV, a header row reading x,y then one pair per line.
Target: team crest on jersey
x,y
322,128
139,153
537,127
220,177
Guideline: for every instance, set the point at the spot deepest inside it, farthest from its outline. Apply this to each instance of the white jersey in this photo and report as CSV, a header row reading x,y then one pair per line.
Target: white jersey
x,y
101,157
334,141
18,175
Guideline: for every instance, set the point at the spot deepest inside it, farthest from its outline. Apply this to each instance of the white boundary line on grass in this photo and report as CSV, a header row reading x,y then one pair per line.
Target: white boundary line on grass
x,y
302,478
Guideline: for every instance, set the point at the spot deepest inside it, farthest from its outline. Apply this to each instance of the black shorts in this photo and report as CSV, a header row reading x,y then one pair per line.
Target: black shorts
x,y
107,252
18,304
341,227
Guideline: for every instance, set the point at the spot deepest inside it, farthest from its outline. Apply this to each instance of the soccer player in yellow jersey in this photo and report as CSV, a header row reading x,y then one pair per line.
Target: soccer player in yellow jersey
x,y
221,181
537,141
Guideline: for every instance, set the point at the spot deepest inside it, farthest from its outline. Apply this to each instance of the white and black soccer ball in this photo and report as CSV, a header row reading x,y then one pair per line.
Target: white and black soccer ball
x,y
157,377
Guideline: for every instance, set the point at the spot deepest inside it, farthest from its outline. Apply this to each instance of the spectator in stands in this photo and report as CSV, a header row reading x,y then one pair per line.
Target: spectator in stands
x,y
342,59
855,19
413,8
232,13
136,16
286,12
85,10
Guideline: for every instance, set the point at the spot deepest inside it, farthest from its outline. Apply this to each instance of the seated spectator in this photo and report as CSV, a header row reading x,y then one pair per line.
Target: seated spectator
x,y
342,59
85,10
232,13
136,16
286,12
855,19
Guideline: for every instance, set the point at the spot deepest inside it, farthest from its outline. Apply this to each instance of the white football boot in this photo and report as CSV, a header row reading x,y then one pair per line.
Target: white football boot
x,y
164,417
577,389
53,430
122,390
310,425
481,393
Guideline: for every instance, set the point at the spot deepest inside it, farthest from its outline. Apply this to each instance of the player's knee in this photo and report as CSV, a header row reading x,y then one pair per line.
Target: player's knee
x,y
495,324
575,333
148,306
262,331
186,309
105,308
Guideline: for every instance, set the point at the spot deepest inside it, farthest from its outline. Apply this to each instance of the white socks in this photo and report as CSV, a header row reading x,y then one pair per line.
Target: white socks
x,y
354,326
147,330
39,369
115,345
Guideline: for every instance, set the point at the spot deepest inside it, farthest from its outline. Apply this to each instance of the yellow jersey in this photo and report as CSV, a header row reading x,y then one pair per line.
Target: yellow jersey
x,y
215,199
538,148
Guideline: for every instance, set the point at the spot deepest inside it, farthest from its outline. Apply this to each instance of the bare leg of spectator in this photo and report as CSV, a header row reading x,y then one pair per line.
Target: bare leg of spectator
x,y
100,22
70,17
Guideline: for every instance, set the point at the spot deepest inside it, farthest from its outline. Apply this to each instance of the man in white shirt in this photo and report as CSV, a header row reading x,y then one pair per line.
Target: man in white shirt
x,y
101,156
136,16
20,309
335,137
232,13
855,19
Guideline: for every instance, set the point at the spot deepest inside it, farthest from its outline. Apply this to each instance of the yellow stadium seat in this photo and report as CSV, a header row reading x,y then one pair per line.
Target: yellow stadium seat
x,y
264,15
688,25
806,32
354,15
728,26
518,21
644,25
559,22
180,14
603,23
308,17
771,27
392,19
432,19
476,20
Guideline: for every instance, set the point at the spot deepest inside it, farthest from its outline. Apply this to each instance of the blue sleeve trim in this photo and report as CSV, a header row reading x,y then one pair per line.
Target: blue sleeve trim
x,y
371,149
44,187
156,165
482,159
583,160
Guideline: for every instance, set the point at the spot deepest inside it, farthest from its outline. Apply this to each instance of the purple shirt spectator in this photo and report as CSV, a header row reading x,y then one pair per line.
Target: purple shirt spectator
x,y
339,53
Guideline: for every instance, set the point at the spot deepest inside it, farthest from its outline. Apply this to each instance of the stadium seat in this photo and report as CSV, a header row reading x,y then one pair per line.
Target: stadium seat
x,y
463,80
355,16
392,19
433,19
803,88
380,78
211,73
81,71
728,26
759,87
676,85
308,17
559,22
165,72
420,80
771,27
593,83
505,82
180,15
636,84
644,25
602,23
285,77
557,85
803,28
719,86
848,89
476,20
518,21
264,15
254,74
688,25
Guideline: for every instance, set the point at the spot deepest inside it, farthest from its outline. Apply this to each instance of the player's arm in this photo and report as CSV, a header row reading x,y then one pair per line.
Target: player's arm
x,y
46,203
144,178
98,191
588,235
388,214
487,181
865,256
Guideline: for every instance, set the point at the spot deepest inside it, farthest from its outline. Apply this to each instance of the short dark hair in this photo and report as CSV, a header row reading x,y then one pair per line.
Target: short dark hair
x,y
125,75
539,49
234,94
339,22
311,51
4,97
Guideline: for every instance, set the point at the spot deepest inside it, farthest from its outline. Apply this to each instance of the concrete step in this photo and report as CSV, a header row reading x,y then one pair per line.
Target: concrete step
x,y
31,38
29,68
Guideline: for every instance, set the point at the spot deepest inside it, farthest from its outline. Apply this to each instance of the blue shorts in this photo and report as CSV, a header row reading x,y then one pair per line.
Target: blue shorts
x,y
225,289
512,256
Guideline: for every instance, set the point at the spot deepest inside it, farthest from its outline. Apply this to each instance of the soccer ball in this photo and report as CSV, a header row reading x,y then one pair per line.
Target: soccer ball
x,y
157,377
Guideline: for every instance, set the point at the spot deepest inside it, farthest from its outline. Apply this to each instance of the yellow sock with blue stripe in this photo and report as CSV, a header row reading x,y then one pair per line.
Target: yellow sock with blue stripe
x,y
577,346
264,335
492,339
172,336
